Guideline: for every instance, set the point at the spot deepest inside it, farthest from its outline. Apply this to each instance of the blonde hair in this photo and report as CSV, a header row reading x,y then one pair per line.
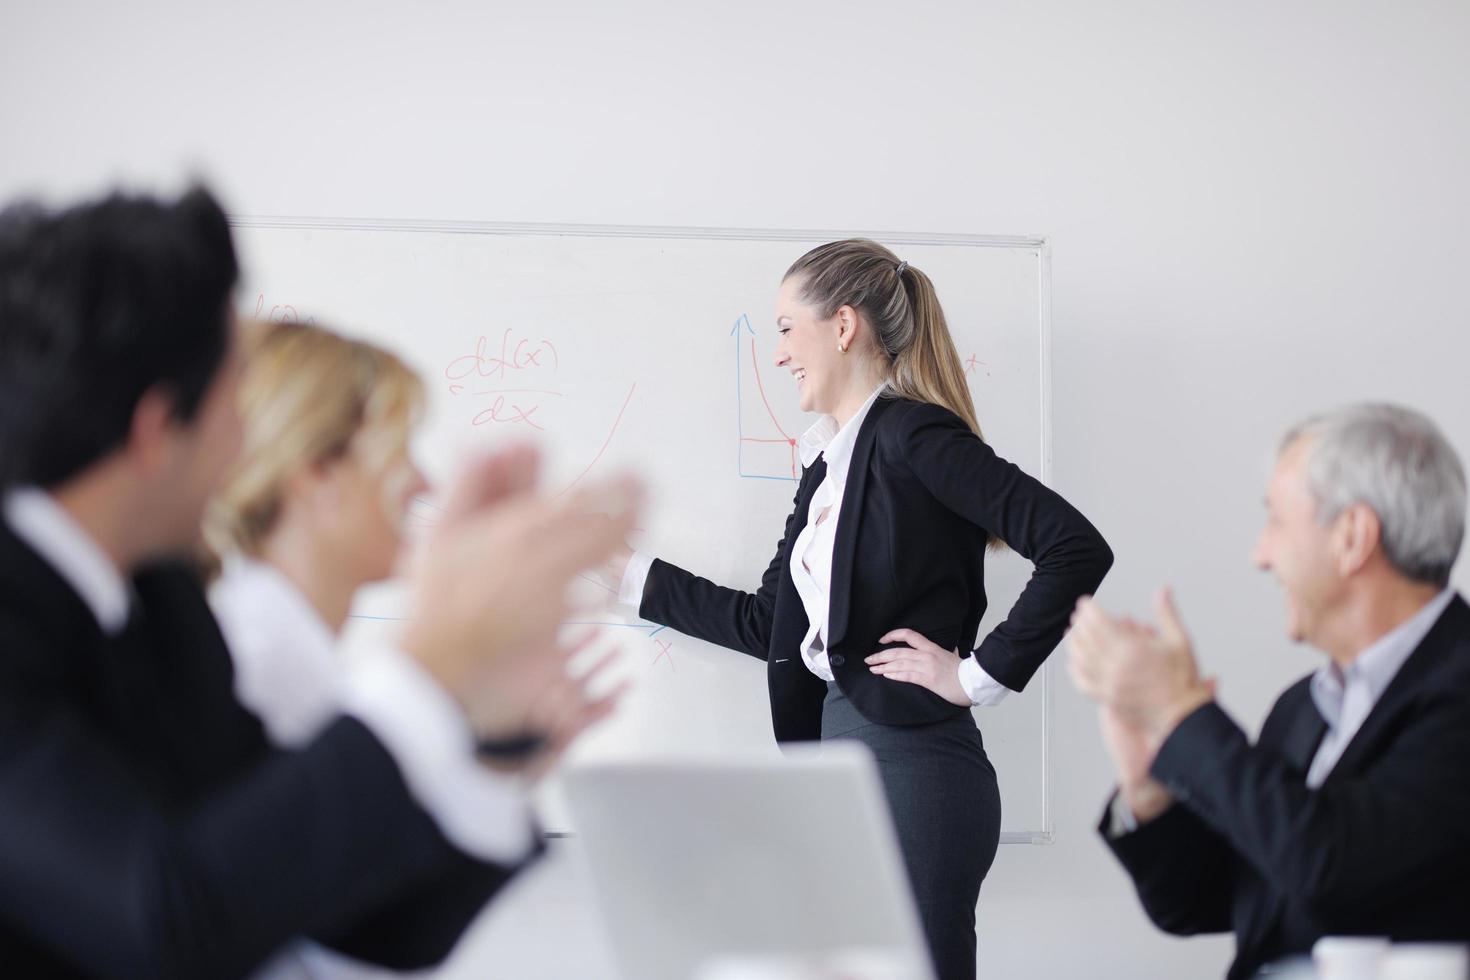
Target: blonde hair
x,y
308,396
910,333
899,302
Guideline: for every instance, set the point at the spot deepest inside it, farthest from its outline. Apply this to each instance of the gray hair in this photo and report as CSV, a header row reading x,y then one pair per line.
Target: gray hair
x,y
1400,465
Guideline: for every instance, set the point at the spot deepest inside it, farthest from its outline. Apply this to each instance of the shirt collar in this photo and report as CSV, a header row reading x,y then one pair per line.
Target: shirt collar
x,y
1376,666
825,438
249,589
41,522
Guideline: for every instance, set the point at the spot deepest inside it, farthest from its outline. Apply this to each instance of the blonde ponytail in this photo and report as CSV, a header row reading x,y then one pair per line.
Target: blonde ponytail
x,y
929,368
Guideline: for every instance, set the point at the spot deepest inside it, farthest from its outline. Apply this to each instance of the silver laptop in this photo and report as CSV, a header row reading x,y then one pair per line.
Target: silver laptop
x,y
693,862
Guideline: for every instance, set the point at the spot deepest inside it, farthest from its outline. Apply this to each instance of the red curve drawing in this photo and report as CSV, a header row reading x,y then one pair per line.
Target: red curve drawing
x,y
761,386
606,442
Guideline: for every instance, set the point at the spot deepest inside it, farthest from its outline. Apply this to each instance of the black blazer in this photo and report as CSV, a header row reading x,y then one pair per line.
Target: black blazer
x,y
148,829
1382,848
922,494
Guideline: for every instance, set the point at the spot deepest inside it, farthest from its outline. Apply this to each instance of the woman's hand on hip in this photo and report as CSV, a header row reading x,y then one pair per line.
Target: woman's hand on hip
x,y
920,662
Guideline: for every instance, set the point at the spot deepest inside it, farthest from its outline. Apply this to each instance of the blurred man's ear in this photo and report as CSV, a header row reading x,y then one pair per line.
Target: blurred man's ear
x,y
153,427
1356,536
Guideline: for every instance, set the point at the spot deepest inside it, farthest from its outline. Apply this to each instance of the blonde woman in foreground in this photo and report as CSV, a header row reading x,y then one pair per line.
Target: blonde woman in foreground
x,y
313,510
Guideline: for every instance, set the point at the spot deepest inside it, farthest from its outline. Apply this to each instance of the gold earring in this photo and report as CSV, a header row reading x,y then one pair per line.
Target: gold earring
x,y
841,349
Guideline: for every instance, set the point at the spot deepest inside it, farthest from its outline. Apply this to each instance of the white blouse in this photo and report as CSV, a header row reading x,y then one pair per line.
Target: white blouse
x,y
288,674
284,654
811,552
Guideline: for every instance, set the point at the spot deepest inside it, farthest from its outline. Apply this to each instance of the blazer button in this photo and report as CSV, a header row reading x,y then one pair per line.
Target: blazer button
x,y
837,660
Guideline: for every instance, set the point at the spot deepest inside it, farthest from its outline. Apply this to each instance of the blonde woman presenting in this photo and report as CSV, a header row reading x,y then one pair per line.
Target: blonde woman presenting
x,y
879,578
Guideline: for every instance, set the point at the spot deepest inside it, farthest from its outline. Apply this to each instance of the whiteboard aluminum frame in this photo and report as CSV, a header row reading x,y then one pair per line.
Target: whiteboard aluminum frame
x,y
1037,245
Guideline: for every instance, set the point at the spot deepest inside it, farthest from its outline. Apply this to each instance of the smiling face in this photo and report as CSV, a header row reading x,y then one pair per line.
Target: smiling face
x,y
808,349
359,503
1300,551
327,469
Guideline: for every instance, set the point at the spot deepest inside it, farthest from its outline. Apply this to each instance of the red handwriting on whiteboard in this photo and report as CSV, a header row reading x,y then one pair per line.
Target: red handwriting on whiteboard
x,y
516,357
973,362
664,646
502,411
279,313
525,354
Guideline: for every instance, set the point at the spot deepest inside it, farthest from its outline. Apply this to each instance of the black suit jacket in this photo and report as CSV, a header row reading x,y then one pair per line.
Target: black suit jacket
x,y
1382,848
147,828
923,493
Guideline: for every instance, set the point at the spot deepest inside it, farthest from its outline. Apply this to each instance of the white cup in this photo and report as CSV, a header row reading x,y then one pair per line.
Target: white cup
x,y
1348,957
1425,961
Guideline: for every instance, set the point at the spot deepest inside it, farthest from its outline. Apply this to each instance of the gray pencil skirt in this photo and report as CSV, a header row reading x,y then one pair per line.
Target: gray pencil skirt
x,y
946,806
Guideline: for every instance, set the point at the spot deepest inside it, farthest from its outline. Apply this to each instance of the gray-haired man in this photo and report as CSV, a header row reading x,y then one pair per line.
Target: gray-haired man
x,y
1351,814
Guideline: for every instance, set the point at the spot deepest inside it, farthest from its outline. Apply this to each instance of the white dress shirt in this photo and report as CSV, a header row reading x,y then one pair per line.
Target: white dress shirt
x,y
285,655
1344,698
288,674
811,553
39,521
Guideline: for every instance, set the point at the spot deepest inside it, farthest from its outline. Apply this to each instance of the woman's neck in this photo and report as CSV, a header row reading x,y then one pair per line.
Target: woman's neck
x,y
858,391
316,576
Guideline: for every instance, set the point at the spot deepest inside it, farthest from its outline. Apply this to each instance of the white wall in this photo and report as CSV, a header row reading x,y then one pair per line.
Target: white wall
x,y
1257,209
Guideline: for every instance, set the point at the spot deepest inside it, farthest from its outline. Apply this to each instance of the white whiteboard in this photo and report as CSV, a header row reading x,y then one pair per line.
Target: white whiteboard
x,y
650,349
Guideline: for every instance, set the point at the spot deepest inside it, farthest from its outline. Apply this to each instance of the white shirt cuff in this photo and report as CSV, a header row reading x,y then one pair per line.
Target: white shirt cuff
x,y
635,576
984,691
483,813
1120,818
